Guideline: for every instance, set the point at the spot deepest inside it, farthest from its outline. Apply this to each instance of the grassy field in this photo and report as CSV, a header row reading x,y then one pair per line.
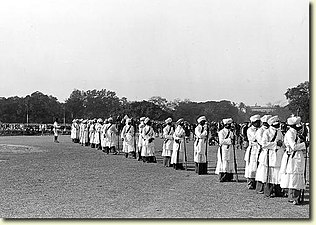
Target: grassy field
x,y
43,179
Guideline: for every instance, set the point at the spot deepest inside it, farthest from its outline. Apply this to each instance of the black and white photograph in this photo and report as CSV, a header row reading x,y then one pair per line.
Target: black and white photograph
x,y
155,109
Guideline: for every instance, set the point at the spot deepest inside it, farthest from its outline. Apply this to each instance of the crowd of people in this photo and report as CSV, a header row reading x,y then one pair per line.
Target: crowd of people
x,y
11,129
275,153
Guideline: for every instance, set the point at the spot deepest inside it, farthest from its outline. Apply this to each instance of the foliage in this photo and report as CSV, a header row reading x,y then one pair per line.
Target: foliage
x,y
299,98
105,103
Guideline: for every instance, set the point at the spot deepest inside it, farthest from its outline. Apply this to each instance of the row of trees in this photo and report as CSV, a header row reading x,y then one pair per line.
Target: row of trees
x,y
41,108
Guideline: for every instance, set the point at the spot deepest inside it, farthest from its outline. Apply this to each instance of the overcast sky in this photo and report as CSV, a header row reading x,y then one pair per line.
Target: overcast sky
x,y
240,50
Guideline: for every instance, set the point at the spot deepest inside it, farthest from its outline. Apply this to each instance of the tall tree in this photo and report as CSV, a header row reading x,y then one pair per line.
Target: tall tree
x,y
299,98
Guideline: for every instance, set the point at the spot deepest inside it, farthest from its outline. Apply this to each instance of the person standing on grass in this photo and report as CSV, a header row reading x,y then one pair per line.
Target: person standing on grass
x,y
75,131
92,132
200,146
178,154
127,136
148,149
259,135
168,131
293,162
111,135
55,130
270,158
103,135
97,134
225,163
251,155
140,138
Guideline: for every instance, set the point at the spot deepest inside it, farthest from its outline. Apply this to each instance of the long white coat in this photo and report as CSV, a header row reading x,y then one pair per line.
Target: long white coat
x,y
148,149
293,162
275,156
200,144
91,132
178,155
74,131
103,134
251,155
84,133
97,134
140,138
225,160
111,135
168,141
128,136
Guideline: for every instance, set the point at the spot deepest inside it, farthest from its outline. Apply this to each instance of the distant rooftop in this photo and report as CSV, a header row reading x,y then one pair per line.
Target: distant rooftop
x,y
257,108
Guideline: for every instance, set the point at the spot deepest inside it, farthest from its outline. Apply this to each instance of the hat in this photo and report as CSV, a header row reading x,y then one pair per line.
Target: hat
x,y
180,120
265,118
169,120
100,120
273,120
110,119
125,117
74,120
142,118
254,118
201,118
128,120
293,120
146,120
227,121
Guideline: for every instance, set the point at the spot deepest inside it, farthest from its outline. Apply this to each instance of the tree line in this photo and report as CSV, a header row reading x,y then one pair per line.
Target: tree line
x,y
41,108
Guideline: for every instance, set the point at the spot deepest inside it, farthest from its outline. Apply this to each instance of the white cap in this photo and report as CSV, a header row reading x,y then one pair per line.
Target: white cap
x,y
179,120
100,120
146,120
273,120
254,118
201,118
110,119
169,120
293,120
265,118
128,120
142,118
227,121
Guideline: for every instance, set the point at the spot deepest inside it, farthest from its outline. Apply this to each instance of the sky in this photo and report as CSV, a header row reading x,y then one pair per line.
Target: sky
x,y
247,51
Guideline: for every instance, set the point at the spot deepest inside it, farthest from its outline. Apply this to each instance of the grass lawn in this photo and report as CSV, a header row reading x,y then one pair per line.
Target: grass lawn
x,y
43,179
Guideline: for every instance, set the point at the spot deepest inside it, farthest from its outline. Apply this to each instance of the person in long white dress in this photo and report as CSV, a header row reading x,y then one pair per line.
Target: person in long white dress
x,y
259,135
148,148
92,132
97,134
111,136
140,138
293,162
225,163
103,135
74,131
251,155
55,130
270,158
200,146
178,154
85,133
168,131
128,136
